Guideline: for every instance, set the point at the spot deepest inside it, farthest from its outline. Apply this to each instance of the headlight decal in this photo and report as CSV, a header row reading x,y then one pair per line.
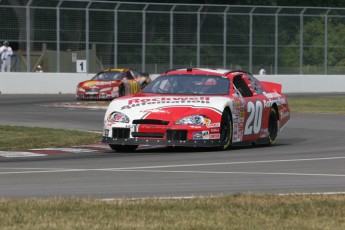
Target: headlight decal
x,y
194,120
118,117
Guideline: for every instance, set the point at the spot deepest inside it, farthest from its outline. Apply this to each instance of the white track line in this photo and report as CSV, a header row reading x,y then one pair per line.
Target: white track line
x,y
173,171
153,168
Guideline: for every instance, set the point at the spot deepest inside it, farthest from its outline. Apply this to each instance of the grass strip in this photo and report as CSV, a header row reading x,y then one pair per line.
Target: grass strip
x,y
238,211
334,105
20,137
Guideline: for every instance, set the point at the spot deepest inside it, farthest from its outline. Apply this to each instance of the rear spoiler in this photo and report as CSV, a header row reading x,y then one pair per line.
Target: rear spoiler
x,y
272,86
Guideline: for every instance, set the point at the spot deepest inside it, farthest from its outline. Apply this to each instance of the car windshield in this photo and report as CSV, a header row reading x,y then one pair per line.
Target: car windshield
x,y
189,84
108,76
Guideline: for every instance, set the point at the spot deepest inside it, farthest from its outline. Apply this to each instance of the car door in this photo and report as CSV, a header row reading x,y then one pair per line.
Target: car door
x,y
255,113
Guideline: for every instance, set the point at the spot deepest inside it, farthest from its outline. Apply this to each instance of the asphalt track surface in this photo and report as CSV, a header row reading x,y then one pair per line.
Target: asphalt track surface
x,y
309,157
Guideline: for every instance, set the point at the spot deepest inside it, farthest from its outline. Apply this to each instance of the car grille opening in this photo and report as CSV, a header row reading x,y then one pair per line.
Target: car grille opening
x,y
150,122
177,135
148,134
121,133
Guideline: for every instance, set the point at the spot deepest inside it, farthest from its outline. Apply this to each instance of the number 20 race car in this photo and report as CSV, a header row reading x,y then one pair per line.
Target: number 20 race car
x,y
197,108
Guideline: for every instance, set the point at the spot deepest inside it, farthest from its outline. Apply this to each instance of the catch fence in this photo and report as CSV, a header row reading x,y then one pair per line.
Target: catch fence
x,y
88,36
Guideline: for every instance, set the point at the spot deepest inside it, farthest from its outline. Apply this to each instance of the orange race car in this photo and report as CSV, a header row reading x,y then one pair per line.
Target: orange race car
x,y
112,83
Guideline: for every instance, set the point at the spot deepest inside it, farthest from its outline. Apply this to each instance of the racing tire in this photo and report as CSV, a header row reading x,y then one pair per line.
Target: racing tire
x,y
272,127
121,91
226,130
123,148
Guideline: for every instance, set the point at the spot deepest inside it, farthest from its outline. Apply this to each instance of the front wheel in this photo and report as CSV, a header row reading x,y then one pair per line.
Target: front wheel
x,y
226,130
272,127
123,148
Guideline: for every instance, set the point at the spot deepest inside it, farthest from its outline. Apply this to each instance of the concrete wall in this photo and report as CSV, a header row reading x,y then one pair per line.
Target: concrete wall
x,y
308,83
41,83
65,83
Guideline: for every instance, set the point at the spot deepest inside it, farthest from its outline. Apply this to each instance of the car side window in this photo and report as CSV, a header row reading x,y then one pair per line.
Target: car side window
x,y
109,76
242,86
255,84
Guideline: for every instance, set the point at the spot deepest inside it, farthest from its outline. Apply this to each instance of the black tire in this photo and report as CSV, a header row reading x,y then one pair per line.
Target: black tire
x,y
226,130
123,148
121,91
272,127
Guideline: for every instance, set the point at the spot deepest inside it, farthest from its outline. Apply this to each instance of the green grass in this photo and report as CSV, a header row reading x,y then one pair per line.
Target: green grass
x,y
335,105
20,137
229,212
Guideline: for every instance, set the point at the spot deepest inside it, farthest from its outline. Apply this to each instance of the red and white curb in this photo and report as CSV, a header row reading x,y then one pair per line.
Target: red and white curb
x,y
51,151
82,105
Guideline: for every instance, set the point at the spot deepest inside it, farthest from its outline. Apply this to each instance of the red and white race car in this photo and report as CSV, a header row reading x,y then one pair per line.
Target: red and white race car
x,y
197,108
112,83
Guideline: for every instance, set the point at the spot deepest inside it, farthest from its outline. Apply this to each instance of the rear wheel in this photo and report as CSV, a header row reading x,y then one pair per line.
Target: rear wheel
x,y
272,127
226,130
123,148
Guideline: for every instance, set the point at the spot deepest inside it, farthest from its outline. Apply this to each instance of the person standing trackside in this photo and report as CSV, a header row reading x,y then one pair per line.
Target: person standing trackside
x,y
39,69
5,57
262,71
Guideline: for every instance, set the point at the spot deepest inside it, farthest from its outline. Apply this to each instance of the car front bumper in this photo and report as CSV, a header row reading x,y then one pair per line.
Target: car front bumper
x,y
162,136
156,142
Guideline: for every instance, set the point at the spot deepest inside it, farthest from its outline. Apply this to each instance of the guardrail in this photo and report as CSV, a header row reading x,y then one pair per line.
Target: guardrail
x,y
65,83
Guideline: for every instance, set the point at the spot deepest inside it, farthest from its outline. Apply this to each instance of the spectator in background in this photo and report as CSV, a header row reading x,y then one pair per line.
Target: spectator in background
x,y
5,57
262,71
39,69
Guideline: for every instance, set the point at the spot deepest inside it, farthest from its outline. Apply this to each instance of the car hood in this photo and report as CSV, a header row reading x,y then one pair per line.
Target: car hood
x,y
168,108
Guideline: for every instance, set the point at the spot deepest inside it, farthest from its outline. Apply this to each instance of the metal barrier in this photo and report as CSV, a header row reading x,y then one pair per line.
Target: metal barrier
x,y
90,35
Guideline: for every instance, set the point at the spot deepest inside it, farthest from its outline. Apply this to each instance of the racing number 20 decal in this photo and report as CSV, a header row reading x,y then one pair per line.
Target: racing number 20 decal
x,y
253,124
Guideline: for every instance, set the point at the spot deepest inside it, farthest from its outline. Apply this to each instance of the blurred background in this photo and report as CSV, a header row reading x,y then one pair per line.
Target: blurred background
x,y
154,37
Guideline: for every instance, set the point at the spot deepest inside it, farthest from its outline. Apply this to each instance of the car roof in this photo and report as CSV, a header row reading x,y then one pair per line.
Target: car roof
x,y
203,71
